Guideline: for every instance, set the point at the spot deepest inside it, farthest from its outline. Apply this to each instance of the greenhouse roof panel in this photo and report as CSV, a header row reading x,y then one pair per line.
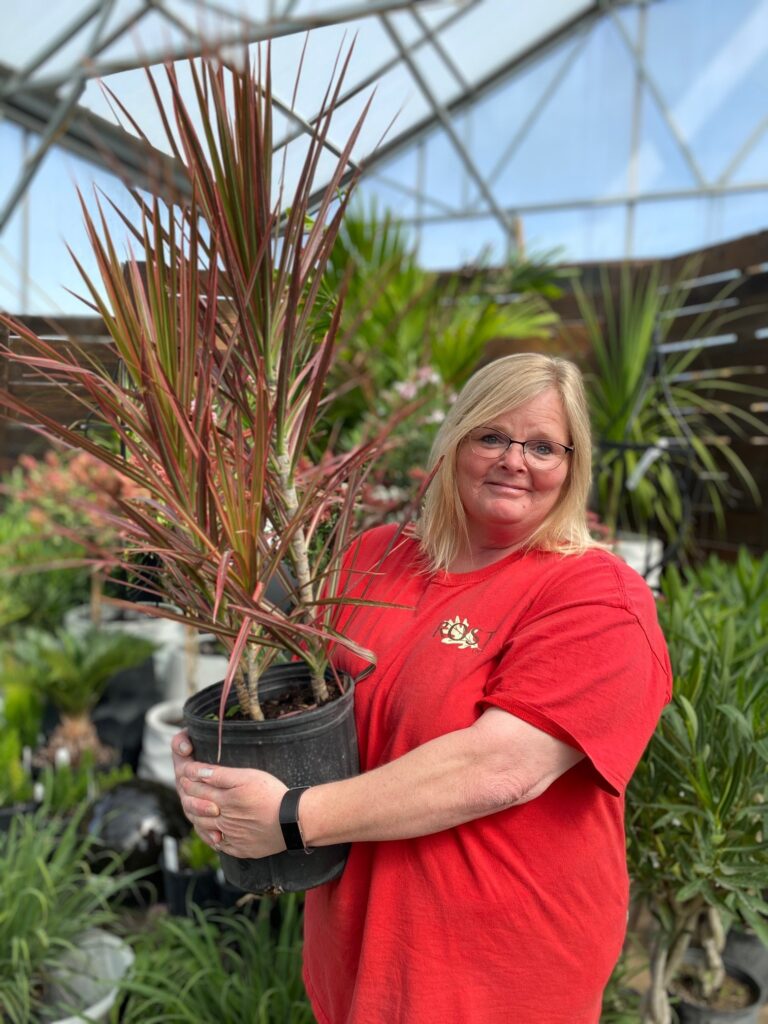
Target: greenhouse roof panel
x,y
605,126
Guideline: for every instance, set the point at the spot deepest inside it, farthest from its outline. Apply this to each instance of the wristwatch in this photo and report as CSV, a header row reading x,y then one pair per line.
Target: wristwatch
x,y
288,817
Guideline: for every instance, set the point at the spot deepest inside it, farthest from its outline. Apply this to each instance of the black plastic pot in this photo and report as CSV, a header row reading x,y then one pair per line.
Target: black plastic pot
x,y
688,1013
301,750
7,814
186,886
750,954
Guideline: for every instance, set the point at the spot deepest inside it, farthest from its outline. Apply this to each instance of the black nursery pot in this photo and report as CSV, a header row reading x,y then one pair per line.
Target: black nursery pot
x,y
301,750
184,887
688,1013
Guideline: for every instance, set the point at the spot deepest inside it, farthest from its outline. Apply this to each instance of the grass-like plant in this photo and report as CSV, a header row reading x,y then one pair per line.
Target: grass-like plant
x,y
229,968
639,407
696,807
226,339
48,898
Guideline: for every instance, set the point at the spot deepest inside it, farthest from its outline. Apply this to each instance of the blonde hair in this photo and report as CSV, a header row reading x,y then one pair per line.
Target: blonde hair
x,y
498,388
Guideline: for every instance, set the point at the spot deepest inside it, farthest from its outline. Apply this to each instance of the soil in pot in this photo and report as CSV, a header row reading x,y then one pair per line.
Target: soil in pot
x,y
300,743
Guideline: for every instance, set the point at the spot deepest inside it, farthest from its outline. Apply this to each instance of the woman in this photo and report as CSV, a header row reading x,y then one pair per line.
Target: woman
x,y
510,703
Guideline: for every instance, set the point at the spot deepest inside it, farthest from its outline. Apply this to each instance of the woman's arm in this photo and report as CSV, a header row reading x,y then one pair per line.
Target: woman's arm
x,y
498,762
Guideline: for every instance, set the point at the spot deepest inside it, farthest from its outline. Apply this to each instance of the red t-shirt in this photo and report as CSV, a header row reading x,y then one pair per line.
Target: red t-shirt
x,y
518,917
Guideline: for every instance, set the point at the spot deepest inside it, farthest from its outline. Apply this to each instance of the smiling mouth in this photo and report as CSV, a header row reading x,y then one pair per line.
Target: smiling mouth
x,y
507,487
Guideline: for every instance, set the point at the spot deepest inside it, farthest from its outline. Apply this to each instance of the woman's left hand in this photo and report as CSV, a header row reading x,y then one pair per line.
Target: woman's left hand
x,y
234,809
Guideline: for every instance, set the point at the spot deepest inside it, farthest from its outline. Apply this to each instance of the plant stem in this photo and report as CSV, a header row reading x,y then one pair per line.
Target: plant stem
x,y
713,943
656,1008
252,685
96,595
300,560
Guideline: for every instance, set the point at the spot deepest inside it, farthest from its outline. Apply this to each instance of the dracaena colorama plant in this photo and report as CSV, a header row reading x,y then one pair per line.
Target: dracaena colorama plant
x,y
226,341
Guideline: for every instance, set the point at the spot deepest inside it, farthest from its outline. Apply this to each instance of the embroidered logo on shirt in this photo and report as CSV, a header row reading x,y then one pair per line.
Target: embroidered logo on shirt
x,y
458,631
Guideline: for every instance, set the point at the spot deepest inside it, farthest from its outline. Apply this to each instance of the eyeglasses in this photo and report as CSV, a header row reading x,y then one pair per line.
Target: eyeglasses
x,y
490,443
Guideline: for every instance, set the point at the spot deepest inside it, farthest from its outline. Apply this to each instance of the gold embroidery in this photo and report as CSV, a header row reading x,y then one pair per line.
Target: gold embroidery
x,y
458,631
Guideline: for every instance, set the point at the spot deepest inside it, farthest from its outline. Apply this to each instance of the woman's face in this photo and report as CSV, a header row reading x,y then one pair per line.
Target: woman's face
x,y
504,499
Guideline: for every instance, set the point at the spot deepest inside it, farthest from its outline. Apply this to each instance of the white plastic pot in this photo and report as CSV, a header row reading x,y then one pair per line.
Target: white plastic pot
x,y
161,723
88,977
206,669
644,554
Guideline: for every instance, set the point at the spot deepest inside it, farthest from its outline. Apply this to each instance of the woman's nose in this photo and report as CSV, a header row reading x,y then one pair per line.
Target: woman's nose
x,y
513,456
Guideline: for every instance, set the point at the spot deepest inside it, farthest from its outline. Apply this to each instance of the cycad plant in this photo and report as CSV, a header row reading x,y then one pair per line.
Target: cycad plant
x,y
226,339
696,806
659,427
72,671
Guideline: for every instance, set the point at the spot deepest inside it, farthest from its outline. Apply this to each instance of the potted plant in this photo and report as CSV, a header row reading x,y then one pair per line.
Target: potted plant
x,y
659,427
189,874
71,671
60,956
696,807
226,336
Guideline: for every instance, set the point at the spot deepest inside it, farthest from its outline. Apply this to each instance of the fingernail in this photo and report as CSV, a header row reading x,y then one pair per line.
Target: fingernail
x,y
185,748
204,773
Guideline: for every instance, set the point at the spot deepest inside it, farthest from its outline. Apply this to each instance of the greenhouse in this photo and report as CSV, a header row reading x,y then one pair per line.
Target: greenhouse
x,y
383,435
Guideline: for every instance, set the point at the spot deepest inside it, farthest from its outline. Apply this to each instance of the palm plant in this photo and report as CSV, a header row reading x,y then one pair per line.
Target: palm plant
x,y
696,807
653,424
226,339
72,671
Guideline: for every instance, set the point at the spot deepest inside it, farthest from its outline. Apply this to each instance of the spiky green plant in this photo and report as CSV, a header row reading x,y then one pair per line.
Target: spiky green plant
x,y
224,379
636,405
72,671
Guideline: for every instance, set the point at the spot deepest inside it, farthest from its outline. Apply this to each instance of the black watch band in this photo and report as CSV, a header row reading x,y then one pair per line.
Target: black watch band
x,y
288,817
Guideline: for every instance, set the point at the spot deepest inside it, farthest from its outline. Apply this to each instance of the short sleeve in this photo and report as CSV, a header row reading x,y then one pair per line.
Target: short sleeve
x,y
588,664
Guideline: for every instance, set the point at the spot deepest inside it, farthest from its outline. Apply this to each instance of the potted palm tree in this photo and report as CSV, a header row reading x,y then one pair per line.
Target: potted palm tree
x,y
72,671
661,430
696,807
227,336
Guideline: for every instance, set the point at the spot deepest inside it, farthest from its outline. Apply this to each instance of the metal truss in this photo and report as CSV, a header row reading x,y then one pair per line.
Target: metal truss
x,y
46,104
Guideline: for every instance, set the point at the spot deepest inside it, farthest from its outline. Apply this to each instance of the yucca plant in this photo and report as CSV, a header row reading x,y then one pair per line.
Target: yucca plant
x,y
226,340
71,671
638,406
696,806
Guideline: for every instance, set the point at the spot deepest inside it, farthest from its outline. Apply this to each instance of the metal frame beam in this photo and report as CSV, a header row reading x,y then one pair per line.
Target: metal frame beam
x,y
655,92
517,63
56,124
94,139
754,137
537,109
247,31
710,192
442,115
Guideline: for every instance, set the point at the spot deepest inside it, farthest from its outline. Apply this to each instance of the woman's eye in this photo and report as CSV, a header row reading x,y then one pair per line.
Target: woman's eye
x,y
492,440
542,448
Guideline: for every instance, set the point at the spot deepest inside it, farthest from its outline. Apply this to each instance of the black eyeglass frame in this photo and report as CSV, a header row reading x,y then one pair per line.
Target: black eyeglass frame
x,y
567,448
